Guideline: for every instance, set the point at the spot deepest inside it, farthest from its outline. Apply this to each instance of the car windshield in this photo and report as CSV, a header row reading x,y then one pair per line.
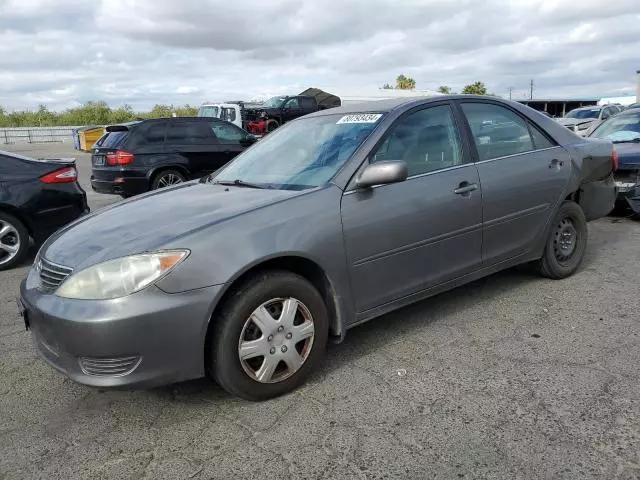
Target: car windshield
x,y
209,111
584,113
619,129
274,102
303,154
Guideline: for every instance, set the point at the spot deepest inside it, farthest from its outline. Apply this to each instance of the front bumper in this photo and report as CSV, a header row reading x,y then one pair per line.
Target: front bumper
x,y
628,190
147,339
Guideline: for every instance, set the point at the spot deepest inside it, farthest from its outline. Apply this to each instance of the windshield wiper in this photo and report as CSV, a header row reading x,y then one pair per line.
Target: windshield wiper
x,y
238,183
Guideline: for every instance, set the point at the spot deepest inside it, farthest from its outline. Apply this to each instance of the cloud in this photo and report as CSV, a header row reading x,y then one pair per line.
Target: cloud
x,y
142,52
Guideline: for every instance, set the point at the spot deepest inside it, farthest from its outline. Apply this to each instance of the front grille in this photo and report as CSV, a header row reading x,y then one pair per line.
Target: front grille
x,y
51,274
109,366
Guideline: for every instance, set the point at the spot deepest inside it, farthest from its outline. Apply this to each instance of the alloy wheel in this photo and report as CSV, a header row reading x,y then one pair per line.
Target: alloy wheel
x,y
276,340
168,179
9,242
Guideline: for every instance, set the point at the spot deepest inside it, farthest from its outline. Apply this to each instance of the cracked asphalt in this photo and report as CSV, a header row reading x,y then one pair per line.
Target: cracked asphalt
x,y
513,377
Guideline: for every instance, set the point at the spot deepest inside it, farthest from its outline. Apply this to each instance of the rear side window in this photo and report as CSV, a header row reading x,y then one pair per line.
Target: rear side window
x,y
113,139
306,103
190,133
497,131
227,133
540,140
148,135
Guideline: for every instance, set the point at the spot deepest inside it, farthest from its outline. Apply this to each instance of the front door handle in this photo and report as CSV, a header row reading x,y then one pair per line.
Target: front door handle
x,y
465,188
556,163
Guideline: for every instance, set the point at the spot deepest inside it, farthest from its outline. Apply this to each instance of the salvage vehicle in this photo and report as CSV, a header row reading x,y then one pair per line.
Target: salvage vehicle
x,y
136,157
36,198
580,120
624,131
334,219
263,118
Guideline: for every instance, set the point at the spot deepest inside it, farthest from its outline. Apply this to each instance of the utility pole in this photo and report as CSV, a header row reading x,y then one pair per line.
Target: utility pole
x,y
510,91
531,89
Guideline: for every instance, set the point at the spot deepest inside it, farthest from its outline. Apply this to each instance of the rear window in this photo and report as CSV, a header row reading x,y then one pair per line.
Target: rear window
x,y
113,139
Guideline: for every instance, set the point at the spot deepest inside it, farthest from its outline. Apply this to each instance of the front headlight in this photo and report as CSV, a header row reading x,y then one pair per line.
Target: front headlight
x,y
120,277
584,126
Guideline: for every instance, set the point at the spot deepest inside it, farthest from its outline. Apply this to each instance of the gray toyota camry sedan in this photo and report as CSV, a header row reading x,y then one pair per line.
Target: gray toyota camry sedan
x,y
334,219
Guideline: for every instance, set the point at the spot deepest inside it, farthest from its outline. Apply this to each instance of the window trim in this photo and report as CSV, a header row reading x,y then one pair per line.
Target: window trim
x,y
466,153
524,118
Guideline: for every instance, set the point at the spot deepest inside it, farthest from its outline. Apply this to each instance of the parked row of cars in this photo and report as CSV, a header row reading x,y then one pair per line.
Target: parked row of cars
x,y
333,219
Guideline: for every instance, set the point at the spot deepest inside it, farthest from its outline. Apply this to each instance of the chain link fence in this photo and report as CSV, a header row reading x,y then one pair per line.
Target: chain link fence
x,y
36,135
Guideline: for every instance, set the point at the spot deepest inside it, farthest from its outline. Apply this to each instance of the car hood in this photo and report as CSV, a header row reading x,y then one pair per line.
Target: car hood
x,y
628,155
153,220
570,122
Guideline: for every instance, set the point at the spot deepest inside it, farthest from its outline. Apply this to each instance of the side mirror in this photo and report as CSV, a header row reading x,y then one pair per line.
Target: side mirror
x,y
250,139
382,173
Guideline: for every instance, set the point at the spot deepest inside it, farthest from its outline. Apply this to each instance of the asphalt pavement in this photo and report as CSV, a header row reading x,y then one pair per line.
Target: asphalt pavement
x,y
511,377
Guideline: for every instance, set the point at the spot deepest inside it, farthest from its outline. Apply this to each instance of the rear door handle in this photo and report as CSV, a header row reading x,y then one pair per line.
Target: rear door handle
x,y
465,188
556,163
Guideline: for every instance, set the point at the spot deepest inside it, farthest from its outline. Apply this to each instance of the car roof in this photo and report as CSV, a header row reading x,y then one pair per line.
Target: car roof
x,y
390,104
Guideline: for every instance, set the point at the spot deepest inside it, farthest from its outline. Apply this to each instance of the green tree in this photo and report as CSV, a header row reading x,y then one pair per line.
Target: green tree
x,y
476,88
444,89
387,86
405,83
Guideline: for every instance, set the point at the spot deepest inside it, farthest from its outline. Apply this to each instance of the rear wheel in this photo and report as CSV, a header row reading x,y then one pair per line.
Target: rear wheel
x,y
566,244
271,126
166,178
14,241
269,336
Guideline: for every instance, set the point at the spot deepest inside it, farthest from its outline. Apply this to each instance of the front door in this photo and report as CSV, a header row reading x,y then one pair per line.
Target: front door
x,y
523,175
405,237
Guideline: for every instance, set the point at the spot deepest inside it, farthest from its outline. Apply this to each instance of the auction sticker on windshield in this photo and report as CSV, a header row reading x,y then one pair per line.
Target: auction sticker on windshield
x,y
360,118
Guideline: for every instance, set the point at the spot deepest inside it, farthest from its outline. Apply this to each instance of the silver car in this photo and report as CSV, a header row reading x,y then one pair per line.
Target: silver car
x,y
334,219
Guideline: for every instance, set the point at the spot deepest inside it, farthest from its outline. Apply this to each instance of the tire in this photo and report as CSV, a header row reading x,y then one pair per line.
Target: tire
x,y
233,328
271,126
13,234
569,225
166,178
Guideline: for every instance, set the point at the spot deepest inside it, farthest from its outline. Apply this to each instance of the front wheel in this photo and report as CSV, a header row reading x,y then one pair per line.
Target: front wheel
x,y
269,336
566,243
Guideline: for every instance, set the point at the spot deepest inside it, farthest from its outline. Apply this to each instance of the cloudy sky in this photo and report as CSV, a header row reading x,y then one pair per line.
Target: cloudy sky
x,y
65,52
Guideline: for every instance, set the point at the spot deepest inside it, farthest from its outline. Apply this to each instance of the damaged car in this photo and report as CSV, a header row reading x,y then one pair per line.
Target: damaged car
x,y
334,219
624,131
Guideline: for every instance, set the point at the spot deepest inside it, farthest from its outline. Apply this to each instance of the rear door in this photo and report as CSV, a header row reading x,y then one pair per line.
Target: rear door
x,y
405,237
194,145
523,173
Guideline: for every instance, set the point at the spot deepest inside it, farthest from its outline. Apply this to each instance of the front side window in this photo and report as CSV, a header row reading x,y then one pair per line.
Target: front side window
x,y
292,103
426,140
228,114
227,133
497,131
303,154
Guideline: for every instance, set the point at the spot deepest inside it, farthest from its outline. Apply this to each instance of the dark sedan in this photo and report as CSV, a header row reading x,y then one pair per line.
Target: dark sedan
x,y
36,198
140,156
624,131
335,218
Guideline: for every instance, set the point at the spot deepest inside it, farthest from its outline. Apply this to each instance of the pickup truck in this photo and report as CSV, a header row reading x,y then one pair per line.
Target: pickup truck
x,y
260,119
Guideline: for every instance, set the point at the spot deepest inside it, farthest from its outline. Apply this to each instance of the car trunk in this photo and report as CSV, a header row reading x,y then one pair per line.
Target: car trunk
x,y
113,140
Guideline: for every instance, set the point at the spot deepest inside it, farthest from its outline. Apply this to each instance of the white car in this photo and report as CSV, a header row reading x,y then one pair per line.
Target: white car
x,y
580,120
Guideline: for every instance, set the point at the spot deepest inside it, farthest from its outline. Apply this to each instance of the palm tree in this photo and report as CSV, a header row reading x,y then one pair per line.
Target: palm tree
x,y
405,83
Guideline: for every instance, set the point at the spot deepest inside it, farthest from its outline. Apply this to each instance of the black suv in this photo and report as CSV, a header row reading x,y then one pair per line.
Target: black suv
x,y
139,156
